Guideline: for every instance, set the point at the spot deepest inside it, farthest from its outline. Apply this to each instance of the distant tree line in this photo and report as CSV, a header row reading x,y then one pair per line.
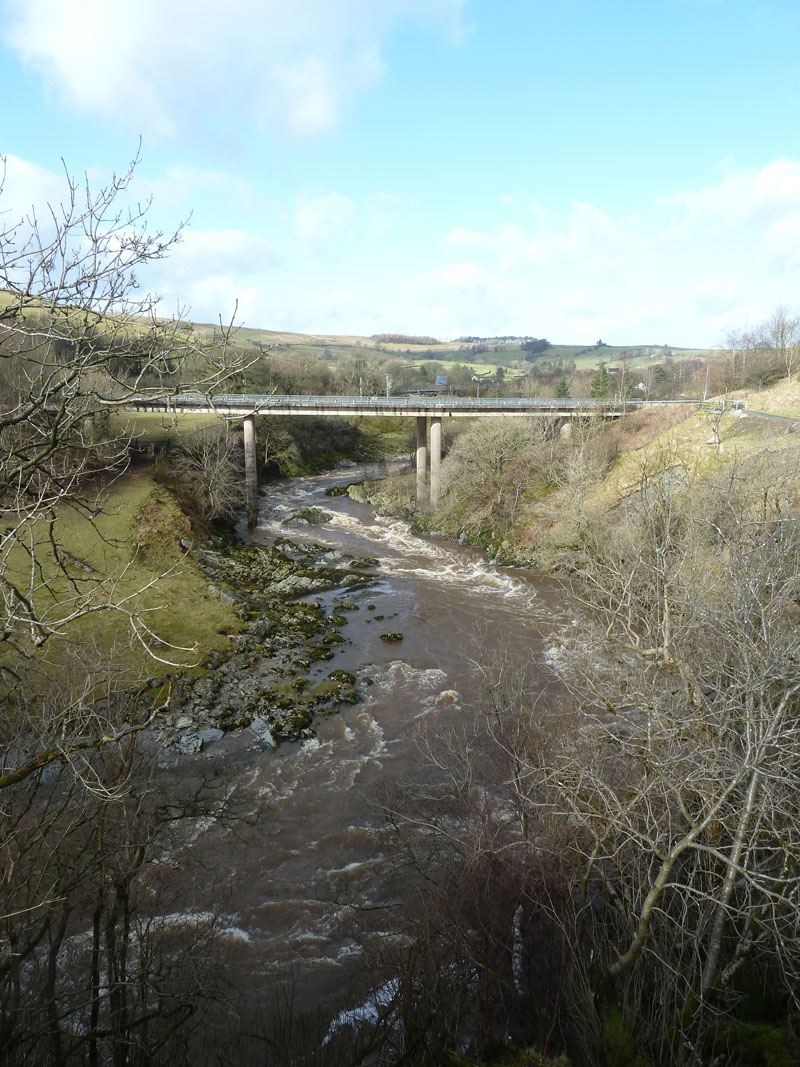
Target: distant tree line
x,y
508,338
404,339
546,368
535,346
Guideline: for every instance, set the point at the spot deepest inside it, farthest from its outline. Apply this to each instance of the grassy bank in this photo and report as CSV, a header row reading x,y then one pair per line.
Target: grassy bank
x,y
149,428
129,554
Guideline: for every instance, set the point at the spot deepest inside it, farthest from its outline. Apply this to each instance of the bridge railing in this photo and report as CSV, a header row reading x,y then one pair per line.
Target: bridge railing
x,y
263,402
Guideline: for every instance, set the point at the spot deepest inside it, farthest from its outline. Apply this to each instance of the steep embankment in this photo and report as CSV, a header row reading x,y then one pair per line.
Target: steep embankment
x,y
125,546
523,493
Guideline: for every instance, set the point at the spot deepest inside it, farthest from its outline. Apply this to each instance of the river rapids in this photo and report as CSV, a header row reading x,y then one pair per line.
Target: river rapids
x,y
293,877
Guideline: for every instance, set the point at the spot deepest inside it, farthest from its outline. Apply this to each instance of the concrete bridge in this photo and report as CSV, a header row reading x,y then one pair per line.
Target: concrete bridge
x,y
428,411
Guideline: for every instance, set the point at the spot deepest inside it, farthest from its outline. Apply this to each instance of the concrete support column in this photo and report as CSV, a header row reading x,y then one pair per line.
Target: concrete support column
x,y
250,471
422,457
565,431
436,460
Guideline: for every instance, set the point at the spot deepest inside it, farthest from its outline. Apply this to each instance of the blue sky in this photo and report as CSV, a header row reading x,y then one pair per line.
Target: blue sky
x,y
571,169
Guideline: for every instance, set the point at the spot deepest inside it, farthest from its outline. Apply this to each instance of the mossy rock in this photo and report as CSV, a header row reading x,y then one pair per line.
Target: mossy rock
x,y
327,694
233,719
358,493
294,726
361,563
342,676
350,605
392,635
332,638
301,717
312,516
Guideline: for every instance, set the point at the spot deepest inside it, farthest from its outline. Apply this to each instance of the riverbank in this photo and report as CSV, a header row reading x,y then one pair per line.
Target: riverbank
x,y
122,552
274,678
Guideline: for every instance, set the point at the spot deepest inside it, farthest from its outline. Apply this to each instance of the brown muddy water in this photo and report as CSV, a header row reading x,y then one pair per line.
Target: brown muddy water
x,y
287,885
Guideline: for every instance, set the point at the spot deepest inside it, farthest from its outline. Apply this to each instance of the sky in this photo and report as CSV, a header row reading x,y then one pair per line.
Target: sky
x,y
573,169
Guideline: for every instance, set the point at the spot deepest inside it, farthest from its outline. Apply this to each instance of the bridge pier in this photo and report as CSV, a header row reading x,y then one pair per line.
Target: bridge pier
x,y
436,459
422,456
250,470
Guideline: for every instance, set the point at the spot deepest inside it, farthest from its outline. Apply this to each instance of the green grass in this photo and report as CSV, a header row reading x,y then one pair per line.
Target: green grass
x,y
153,427
130,550
472,366
587,357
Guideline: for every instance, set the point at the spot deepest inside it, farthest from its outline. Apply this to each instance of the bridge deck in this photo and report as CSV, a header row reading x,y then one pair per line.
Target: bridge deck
x,y
243,404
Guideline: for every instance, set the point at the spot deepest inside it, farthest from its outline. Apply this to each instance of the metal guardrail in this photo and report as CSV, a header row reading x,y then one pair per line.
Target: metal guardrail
x,y
769,415
263,402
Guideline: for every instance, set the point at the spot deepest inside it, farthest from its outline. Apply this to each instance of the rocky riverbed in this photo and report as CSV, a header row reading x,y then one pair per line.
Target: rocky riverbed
x,y
273,679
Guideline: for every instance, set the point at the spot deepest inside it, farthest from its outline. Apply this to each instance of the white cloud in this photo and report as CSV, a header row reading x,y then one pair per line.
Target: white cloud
x,y
460,298
749,196
500,240
25,185
149,64
218,297
668,275
320,219
181,185
207,269
781,243
213,273
586,234
221,251
695,265
684,272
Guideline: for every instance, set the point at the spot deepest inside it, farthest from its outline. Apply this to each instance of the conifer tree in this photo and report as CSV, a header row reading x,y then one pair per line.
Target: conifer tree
x,y
601,383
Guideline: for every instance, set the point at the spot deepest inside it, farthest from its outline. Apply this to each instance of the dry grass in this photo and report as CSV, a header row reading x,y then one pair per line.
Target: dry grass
x,y
780,399
657,440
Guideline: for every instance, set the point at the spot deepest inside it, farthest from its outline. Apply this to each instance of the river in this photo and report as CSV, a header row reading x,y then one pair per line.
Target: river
x,y
293,879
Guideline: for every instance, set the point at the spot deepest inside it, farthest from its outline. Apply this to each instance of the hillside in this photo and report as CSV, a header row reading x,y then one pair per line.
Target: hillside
x,y
334,349
526,496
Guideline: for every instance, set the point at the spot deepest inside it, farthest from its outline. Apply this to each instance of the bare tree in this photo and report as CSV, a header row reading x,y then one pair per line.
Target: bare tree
x,y
742,353
782,332
99,961
504,459
208,465
684,778
78,341
654,832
